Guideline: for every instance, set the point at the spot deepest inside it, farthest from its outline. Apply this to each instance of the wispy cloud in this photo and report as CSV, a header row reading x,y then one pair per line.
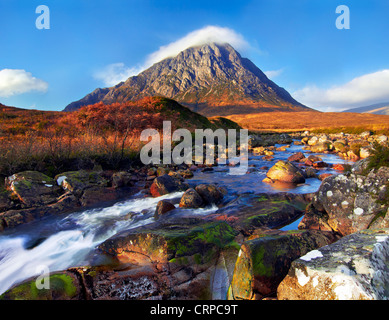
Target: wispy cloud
x,y
364,90
18,81
273,73
196,38
117,72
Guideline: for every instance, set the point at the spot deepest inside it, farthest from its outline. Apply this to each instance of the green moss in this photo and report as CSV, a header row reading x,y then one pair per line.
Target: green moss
x,y
259,266
201,239
61,285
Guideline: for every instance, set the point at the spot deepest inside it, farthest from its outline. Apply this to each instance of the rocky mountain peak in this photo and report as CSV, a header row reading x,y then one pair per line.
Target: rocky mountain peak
x,y
212,79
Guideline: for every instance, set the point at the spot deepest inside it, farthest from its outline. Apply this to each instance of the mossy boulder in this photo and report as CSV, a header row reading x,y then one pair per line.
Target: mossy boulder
x,y
264,262
77,181
33,188
187,249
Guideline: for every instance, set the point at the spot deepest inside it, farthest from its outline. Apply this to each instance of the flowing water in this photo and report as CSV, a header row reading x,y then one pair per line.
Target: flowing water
x,y
58,243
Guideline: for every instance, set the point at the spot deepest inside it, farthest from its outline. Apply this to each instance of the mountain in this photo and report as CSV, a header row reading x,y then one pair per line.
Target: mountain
x,y
211,79
379,108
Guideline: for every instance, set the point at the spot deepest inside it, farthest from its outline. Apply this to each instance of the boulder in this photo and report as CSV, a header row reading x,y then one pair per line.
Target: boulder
x,y
163,206
191,199
321,147
166,184
364,152
296,157
33,188
182,255
312,141
77,181
121,179
340,146
351,202
209,193
286,172
353,268
264,262
382,139
365,134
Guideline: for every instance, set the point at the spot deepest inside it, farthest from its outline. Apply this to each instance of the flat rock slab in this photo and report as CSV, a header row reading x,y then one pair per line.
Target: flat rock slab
x,y
353,268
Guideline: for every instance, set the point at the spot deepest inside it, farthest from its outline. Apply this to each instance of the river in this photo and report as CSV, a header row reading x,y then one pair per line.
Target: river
x,y
61,242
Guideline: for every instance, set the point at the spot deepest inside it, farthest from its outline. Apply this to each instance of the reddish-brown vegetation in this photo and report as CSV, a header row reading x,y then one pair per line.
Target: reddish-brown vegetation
x,y
313,120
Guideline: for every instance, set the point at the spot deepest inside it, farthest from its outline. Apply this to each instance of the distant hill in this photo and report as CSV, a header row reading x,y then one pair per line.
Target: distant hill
x,y
379,108
212,79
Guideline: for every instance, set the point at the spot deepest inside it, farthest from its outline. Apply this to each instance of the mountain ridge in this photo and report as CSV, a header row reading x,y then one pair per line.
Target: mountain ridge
x,y
211,79
378,108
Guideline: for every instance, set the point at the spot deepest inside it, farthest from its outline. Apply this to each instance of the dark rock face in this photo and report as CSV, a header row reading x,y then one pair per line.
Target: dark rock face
x,y
210,79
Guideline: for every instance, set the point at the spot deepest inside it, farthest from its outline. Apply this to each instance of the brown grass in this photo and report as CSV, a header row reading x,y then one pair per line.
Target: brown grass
x,y
313,121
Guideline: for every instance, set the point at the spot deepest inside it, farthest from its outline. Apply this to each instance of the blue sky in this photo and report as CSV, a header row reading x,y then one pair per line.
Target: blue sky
x,y
295,42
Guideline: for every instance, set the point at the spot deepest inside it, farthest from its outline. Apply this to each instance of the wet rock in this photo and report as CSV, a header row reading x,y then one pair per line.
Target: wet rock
x,y
163,206
353,268
98,195
263,262
296,157
250,212
12,218
166,184
181,253
285,172
209,193
191,199
33,188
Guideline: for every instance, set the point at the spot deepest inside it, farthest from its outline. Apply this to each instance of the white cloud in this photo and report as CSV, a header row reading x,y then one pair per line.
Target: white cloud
x,y
196,38
364,90
115,73
17,81
273,73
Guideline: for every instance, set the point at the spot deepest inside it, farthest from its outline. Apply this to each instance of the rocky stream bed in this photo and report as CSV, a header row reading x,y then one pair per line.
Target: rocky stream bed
x,y
200,233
